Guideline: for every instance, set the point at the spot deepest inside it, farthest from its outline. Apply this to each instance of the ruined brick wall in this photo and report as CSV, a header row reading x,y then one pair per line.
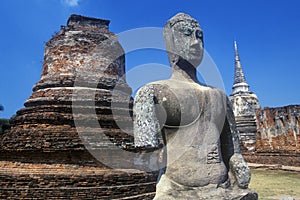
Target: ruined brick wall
x,y
278,136
278,129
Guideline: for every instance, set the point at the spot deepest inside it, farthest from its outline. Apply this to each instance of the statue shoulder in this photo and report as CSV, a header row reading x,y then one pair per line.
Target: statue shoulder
x,y
150,90
214,90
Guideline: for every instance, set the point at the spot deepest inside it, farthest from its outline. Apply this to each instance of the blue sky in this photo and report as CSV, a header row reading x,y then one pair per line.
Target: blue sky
x,y
268,35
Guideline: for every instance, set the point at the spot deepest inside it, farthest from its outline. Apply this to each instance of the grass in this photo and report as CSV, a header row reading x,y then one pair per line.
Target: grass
x,y
275,184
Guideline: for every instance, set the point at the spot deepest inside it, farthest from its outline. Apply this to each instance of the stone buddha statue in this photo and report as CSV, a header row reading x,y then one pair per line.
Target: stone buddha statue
x,y
195,123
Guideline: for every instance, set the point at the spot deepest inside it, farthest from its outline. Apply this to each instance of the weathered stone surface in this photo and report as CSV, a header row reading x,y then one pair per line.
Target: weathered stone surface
x,y
244,105
201,152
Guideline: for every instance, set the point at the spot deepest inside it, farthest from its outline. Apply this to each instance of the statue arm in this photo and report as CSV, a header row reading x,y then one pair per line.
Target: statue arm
x,y
146,125
238,168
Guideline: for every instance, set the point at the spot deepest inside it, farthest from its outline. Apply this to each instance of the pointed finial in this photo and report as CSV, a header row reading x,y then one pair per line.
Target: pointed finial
x,y
237,57
235,46
240,84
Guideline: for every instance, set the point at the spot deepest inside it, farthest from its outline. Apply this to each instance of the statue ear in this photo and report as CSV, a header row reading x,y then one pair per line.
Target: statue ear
x,y
170,47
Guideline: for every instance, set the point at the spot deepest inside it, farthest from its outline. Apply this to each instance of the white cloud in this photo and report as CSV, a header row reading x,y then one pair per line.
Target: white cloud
x,y
71,2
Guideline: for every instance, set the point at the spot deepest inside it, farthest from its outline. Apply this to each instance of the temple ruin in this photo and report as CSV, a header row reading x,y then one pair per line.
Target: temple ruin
x,y
278,136
45,155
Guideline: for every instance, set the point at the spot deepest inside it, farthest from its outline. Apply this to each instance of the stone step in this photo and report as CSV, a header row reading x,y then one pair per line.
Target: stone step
x,y
114,186
68,118
69,109
133,192
54,181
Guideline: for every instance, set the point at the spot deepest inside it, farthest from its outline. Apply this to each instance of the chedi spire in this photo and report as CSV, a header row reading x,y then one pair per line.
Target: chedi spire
x,y
239,76
240,84
244,105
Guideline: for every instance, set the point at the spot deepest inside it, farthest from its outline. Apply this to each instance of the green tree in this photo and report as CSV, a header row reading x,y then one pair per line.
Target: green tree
x,y
4,123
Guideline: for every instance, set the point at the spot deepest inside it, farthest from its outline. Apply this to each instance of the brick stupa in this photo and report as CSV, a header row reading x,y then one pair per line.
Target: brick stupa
x,y
45,155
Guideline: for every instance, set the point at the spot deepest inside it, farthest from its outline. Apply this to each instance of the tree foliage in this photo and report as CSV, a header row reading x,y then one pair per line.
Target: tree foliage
x,y
4,125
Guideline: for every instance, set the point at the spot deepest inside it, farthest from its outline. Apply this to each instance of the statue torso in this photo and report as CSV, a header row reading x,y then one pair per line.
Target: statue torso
x,y
192,116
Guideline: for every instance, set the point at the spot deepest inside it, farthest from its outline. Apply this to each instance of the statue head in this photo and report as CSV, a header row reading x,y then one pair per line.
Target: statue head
x,y
184,39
